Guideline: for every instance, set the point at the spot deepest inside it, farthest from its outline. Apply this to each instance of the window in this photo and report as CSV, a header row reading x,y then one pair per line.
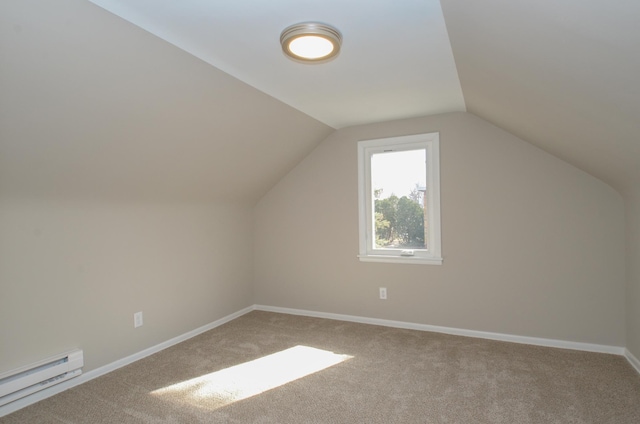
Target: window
x,y
399,199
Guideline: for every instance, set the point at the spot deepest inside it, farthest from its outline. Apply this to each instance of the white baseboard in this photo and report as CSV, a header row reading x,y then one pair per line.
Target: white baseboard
x,y
635,363
616,350
83,378
41,395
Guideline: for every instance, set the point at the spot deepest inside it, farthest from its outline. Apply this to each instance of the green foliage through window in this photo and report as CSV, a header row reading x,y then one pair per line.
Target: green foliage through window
x,y
399,222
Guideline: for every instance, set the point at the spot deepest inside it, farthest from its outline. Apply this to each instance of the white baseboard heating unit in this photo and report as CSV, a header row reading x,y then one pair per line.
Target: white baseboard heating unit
x,y
26,380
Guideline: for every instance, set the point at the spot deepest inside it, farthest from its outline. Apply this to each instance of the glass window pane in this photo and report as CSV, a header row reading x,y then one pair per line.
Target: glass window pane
x,y
398,182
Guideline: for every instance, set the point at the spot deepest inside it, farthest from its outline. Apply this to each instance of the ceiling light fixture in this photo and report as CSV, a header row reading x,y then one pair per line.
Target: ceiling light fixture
x,y
311,42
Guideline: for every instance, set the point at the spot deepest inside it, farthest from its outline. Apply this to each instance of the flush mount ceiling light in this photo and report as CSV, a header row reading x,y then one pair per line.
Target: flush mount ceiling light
x,y
311,41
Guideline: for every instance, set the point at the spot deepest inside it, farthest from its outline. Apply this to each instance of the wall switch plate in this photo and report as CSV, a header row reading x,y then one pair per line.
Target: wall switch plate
x,y
383,293
137,319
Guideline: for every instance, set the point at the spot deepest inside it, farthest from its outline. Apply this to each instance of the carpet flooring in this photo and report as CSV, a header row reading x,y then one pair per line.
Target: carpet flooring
x,y
275,368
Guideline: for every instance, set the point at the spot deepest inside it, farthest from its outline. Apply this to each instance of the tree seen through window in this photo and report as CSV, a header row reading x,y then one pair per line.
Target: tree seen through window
x,y
398,180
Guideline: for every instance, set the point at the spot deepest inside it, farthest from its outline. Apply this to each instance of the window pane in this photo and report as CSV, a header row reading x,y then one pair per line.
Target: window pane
x,y
398,182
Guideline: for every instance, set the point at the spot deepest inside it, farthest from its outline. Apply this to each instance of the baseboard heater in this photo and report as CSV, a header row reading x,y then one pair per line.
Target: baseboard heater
x,y
26,380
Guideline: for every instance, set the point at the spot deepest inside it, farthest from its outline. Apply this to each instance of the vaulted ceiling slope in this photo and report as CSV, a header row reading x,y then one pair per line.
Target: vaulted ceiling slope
x,y
560,74
93,106
564,75
395,62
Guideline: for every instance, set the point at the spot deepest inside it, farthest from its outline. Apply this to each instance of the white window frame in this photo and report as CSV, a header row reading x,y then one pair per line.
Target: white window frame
x,y
366,148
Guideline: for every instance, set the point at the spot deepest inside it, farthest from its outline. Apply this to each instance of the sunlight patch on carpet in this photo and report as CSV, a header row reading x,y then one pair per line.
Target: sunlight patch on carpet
x,y
242,381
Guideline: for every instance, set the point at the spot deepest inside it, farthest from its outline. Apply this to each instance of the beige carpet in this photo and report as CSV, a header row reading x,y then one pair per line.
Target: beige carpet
x,y
356,373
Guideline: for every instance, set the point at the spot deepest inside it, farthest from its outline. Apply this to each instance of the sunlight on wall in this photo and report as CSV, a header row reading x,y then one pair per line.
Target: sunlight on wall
x,y
242,381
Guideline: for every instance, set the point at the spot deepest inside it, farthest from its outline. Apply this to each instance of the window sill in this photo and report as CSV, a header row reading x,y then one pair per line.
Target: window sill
x,y
400,259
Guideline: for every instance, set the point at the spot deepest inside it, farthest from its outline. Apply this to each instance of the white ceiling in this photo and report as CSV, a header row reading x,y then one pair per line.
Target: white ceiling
x,y
92,104
396,59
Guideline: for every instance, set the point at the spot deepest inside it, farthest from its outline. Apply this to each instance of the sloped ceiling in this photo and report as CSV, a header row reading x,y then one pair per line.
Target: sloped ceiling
x,y
93,106
564,75
194,99
396,60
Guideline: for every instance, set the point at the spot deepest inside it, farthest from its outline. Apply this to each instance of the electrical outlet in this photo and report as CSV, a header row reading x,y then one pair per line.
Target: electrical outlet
x,y
383,293
137,319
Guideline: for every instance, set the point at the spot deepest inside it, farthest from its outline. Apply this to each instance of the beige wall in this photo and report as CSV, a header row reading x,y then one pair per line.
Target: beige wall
x,y
73,273
127,173
532,246
633,273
